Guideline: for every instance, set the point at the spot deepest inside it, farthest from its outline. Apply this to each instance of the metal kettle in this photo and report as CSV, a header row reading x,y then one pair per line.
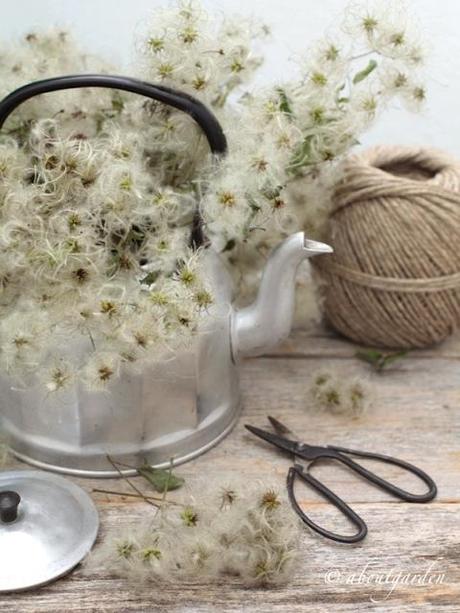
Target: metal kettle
x,y
172,411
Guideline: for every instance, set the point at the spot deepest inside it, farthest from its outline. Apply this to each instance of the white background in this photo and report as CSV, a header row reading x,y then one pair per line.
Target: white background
x,y
107,27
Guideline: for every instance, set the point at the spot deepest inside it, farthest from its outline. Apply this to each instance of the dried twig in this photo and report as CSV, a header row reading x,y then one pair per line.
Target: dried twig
x,y
131,484
144,496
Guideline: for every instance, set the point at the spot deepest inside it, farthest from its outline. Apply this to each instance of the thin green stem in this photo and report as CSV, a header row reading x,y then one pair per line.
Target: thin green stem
x,y
131,484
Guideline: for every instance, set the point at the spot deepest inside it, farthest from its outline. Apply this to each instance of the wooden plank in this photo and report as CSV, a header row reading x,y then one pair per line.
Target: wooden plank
x,y
416,416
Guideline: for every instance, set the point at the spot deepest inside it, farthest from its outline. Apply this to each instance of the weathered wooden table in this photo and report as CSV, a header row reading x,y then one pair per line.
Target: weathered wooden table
x,y
410,560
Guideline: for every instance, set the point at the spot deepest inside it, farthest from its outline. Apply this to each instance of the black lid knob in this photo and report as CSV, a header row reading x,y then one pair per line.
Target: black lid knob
x,y
9,502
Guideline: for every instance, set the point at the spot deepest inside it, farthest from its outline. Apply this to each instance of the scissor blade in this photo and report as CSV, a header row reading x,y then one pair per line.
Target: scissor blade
x,y
280,428
274,439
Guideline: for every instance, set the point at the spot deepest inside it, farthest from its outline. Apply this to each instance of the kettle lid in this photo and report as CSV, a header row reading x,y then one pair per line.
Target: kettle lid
x,y
47,526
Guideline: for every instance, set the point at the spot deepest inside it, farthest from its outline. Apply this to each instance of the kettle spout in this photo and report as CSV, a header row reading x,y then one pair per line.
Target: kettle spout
x,y
263,324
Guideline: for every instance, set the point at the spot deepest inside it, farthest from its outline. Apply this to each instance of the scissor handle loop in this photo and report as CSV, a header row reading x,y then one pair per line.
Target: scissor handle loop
x,y
339,454
297,471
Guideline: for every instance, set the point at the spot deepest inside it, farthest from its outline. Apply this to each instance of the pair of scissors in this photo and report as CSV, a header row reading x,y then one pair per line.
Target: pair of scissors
x,y
286,440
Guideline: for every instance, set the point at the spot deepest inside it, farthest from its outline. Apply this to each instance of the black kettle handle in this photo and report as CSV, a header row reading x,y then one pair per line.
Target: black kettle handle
x,y
179,100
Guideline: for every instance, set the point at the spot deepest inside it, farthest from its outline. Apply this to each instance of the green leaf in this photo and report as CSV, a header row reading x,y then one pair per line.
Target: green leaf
x,y
390,358
372,356
150,277
271,192
284,102
21,131
378,360
255,208
360,76
303,153
117,102
231,243
160,479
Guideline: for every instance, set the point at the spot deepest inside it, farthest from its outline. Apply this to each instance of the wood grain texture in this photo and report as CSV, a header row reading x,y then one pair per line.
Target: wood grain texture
x,y
415,416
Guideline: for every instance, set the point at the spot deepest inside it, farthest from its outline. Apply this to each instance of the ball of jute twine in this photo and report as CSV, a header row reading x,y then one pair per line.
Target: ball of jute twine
x,y
394,278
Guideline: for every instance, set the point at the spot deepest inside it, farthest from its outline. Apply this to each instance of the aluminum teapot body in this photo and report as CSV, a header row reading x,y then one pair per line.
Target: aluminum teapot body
x,y
171,411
